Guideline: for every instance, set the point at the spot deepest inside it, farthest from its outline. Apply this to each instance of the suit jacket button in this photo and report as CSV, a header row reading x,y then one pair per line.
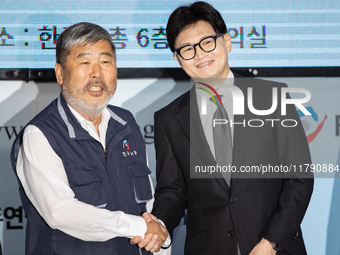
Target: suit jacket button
x,y
232,200
231,233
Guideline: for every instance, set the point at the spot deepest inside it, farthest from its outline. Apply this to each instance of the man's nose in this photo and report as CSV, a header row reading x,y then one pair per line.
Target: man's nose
x,y
96,71
199,52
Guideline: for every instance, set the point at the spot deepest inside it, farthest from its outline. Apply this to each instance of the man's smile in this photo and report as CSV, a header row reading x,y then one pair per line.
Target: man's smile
x,y
205,63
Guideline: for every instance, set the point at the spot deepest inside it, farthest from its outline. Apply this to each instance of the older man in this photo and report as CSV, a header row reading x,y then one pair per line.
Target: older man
x,y
81,164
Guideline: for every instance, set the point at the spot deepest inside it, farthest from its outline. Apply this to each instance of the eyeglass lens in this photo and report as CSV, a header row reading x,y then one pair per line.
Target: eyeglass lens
x,y
208,44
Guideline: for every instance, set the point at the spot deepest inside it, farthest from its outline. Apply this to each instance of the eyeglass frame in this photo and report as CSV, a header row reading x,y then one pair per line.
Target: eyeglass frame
x,y
198,44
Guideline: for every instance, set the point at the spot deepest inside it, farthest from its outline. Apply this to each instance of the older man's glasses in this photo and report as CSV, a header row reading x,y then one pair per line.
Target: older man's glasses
x,y
207,44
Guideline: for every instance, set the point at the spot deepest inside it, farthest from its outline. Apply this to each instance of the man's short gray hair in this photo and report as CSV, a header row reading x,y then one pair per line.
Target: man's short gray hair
x,y
80,34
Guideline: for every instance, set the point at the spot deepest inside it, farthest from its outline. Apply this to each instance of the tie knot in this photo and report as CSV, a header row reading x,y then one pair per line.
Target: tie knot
x,y
217,100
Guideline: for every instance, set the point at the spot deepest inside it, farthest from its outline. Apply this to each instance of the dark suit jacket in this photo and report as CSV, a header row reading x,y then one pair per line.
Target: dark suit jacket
x,y
218,216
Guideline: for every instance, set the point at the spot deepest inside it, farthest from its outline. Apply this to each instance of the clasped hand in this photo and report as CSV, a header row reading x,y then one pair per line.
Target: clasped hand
x,y
155,235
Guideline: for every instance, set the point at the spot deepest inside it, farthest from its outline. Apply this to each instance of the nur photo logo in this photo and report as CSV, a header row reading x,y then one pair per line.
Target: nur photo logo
x,y
238,104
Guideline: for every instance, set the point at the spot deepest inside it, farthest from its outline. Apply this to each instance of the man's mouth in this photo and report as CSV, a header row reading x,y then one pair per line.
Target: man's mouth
x,y
95,88
206,63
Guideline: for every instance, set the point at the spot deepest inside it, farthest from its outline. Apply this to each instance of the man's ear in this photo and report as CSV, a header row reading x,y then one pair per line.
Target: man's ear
x,y
58,69
175,56
227,40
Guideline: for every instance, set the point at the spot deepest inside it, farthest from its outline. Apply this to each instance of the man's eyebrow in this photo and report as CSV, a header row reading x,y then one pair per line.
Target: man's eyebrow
x,y
106,53
200,39
82,54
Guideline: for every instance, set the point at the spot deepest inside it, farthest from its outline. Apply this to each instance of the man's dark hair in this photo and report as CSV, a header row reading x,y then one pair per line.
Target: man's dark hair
x,y
83,33
185,16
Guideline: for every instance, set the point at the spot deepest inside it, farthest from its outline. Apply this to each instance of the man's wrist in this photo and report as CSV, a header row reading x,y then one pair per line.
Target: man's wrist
x,y
140,225
275,246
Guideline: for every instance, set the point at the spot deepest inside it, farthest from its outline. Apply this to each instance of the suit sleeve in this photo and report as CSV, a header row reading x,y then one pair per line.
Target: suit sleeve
x,y
283,227
170,197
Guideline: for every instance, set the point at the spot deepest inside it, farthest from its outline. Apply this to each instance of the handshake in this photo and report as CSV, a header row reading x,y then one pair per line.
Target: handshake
x,y
155,235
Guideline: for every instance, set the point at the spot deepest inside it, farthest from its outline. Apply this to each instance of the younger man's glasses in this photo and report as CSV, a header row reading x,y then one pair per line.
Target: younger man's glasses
x,y
207,44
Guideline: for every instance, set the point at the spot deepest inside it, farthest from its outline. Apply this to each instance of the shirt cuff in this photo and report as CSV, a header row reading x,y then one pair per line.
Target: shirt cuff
x,y
167,242
139,224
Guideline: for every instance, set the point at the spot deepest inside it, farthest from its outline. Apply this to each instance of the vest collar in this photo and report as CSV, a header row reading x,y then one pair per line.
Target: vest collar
x,y
74,128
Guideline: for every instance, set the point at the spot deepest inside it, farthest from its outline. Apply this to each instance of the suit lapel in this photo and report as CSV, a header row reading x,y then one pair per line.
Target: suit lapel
x,y
190,121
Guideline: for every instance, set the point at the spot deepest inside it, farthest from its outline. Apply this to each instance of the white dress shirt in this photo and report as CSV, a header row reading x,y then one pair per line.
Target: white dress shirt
x,y
45,182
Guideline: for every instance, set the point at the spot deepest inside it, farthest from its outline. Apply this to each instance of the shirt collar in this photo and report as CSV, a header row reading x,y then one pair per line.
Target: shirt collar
x,y
105,117
230,79
230,75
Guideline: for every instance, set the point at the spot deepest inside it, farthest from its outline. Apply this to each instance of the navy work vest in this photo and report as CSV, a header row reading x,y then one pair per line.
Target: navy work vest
x,y
116,179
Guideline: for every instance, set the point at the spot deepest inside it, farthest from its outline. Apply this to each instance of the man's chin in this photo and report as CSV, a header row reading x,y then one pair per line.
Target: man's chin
x,y
89,109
